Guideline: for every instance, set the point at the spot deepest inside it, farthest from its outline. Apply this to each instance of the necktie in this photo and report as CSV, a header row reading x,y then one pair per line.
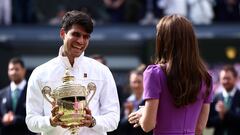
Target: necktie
x,y
228,102
15,95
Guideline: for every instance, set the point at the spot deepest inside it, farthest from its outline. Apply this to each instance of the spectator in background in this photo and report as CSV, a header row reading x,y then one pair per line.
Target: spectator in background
x,y
58,18
6,12
225,109
152,12
227,10
177,88
133,11
133,102
95,8
200,11
173,7
24,11
115,9
13,101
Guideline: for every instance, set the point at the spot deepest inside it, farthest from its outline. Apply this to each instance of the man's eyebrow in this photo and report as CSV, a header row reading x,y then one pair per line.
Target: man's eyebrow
x,y
77,32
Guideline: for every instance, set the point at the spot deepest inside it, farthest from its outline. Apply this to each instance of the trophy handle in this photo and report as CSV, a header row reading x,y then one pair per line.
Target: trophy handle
x,y
91,87
46,91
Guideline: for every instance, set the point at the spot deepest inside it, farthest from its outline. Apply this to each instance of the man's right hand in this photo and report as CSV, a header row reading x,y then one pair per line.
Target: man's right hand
x,y
221,109
8,118
55,118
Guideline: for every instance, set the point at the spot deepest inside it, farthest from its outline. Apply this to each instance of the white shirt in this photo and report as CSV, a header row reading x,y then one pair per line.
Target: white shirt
x,y
20,86
231,93
104,105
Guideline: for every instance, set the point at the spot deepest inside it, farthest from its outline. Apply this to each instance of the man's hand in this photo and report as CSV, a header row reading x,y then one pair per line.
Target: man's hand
x,y
221,109
128,108
8,118
88,120
55,118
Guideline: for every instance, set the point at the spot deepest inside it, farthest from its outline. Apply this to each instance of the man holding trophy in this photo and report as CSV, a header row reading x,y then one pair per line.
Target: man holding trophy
x,y
72,94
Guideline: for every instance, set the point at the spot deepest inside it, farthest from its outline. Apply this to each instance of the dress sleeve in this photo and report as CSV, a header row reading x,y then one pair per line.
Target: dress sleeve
x,y
152,82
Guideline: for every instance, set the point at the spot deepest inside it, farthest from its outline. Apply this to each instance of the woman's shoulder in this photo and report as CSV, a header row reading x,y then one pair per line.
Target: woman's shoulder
x,y
154,69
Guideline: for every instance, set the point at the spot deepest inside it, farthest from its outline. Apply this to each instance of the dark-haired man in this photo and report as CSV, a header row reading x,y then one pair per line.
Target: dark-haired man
x,y
103,113
13,100
225,109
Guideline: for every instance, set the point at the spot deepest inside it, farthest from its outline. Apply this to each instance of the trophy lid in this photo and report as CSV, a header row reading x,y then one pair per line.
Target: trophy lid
x,y
69,88
67,79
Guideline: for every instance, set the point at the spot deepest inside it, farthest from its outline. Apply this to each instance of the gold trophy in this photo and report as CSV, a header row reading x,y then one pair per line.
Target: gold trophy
x,y
71,99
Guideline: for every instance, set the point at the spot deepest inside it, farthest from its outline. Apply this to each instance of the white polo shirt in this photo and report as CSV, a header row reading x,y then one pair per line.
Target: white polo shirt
x,y
104,105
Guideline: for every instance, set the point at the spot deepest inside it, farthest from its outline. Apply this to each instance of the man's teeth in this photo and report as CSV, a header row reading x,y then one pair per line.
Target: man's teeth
x,y
76,46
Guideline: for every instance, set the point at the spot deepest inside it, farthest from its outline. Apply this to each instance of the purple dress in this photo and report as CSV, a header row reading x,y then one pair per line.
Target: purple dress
x,y
171,120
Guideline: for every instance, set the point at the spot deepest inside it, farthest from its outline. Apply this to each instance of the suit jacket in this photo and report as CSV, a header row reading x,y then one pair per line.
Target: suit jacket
x,y
125,128
231,121
18,126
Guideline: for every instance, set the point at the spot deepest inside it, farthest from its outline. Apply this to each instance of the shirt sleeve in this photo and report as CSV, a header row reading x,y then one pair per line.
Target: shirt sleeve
x,y
110,109
35,120
152,82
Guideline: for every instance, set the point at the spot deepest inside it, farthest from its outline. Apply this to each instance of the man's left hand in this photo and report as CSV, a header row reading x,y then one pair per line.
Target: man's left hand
x,y
88,118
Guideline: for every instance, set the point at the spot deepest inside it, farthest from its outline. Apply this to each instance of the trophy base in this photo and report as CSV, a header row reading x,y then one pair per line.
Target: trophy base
x,y
74,130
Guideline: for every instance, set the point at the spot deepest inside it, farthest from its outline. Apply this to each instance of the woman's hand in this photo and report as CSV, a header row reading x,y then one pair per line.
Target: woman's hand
x,y
134,117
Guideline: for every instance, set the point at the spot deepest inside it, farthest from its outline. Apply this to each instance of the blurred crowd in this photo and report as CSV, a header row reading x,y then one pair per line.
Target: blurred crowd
x,y
226,81
144,12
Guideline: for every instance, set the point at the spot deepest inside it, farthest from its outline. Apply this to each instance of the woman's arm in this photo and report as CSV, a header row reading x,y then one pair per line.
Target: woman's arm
x,y
145,116
202,119
149,115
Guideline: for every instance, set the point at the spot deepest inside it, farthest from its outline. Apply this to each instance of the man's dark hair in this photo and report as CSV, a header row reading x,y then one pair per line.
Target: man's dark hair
x,y
231,69
79,18
16,60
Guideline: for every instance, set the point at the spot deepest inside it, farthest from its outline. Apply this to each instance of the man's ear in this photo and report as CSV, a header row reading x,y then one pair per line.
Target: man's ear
x,y
62,33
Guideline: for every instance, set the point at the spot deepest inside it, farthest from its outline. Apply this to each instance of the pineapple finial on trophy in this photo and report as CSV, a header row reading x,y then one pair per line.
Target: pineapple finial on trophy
x,y
67,78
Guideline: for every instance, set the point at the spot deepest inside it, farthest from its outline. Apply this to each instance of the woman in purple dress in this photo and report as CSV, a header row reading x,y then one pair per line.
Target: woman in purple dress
x,y
177,88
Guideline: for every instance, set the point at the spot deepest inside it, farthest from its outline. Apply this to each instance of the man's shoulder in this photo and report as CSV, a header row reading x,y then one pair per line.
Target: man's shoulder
x,y
237,92
94,63
4,89
45,67
218,95
47,64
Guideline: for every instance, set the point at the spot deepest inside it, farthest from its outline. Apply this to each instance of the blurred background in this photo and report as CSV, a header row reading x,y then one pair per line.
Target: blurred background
x,y
124,31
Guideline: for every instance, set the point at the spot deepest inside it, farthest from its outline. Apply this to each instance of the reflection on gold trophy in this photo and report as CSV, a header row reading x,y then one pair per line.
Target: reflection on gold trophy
x,y
71,99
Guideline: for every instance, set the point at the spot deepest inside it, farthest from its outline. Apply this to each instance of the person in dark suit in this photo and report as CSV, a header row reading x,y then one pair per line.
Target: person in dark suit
x,y
12,101
225,109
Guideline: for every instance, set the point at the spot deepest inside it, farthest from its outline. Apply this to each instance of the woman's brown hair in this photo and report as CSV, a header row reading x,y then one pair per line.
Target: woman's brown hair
x,y
177,49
